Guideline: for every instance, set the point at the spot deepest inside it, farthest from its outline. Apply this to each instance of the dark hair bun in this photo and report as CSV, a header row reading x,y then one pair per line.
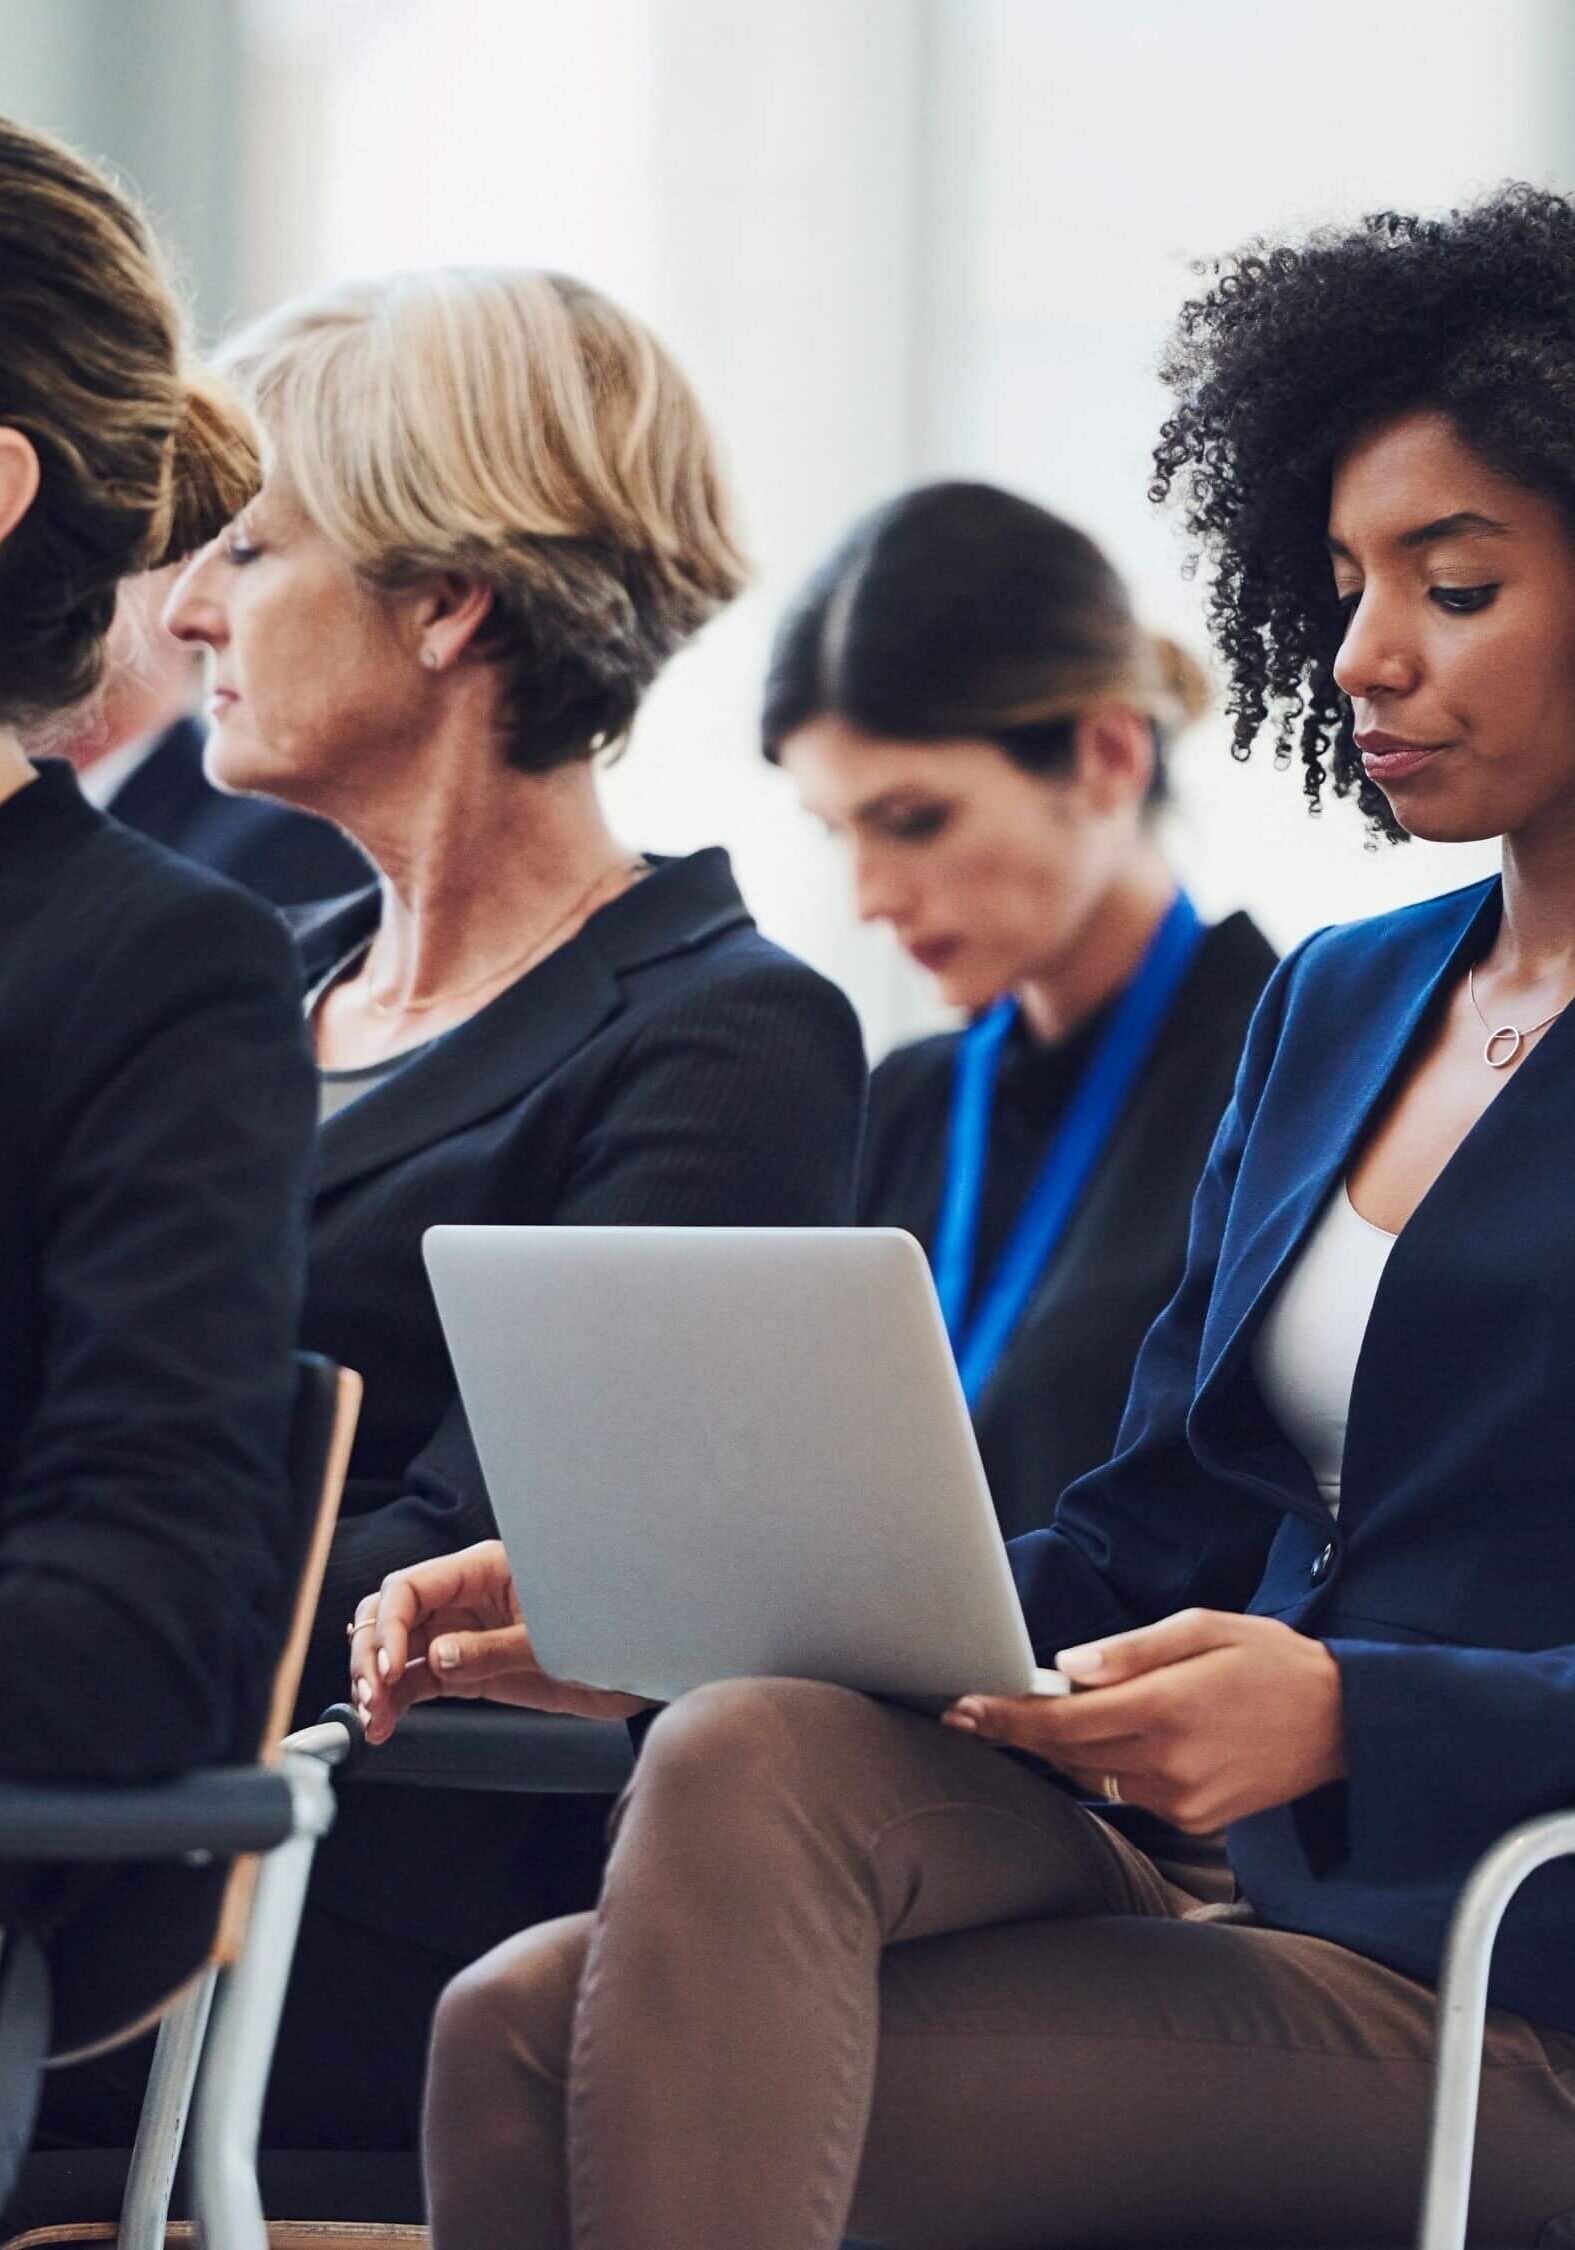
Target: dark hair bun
x,y
214,467
962,611
1183,682
138,464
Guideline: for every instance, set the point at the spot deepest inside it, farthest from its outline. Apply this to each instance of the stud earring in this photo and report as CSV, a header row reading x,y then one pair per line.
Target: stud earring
x,y
429,657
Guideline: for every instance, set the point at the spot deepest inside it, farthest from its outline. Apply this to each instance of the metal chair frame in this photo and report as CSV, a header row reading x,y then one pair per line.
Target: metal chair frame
x,y
1462,2018
215,2045
216,2034
492,1749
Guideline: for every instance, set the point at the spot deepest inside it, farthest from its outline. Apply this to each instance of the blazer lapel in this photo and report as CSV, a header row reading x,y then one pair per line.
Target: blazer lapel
x,y
1357,1063
522,1037
474,1070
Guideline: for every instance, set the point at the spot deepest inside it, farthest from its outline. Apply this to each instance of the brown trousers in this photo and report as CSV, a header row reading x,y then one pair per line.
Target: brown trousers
x,y
852,1972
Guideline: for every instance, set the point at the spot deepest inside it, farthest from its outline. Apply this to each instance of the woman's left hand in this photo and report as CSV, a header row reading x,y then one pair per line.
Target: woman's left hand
x,y
1204,1718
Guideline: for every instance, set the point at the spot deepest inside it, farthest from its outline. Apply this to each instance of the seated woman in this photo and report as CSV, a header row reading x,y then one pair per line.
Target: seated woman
x,y
492,511
963,692
155,1090
850,1966
155,1093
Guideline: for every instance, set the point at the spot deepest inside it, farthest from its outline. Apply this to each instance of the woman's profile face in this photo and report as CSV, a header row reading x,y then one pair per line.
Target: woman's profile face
x,y
311,686
987,874
1459,648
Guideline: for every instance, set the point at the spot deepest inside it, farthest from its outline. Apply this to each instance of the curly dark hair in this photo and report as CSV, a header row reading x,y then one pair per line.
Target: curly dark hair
x,y
1291,353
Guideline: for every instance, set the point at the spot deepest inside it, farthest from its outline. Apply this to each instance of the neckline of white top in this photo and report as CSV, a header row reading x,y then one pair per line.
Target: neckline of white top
x,y
1371,1227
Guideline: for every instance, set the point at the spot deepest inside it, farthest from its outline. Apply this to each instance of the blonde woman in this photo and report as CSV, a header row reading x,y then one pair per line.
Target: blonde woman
x,y
492,511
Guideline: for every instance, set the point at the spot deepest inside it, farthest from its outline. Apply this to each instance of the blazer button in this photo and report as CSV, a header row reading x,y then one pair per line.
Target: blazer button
x,y
1320,1569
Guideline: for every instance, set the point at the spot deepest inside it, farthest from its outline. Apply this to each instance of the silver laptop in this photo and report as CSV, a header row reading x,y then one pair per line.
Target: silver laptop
x,y
732,1451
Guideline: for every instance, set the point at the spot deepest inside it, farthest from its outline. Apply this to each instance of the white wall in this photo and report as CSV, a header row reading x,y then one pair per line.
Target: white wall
x,y
1078,161
741,175
892,239
152,87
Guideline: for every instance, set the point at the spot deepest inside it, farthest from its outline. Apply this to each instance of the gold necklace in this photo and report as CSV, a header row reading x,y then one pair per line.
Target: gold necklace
x,y
539,944
1512,1032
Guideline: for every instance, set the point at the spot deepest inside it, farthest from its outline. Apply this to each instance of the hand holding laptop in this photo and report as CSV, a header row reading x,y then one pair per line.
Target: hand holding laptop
x,y
452,1627
1204,1718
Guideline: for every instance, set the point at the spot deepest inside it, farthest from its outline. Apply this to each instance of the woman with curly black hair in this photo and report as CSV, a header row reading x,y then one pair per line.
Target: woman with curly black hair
x,y
849,1964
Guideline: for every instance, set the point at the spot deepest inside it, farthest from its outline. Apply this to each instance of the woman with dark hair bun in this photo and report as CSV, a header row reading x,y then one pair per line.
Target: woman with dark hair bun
x,y
155,1096
963,693
851,1966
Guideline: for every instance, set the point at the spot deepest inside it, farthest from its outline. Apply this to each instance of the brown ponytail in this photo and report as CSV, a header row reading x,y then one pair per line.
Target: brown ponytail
x,y
1183,682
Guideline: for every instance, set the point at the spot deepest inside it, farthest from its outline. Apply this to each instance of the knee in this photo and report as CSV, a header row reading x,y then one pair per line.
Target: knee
x,y
734,1748
508,2015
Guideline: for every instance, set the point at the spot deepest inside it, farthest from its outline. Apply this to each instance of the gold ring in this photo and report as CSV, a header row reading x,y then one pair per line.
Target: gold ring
x,y
1112,1789
353,1628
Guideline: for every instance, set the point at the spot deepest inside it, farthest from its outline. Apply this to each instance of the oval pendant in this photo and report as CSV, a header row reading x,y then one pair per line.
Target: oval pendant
x,y
1496,1038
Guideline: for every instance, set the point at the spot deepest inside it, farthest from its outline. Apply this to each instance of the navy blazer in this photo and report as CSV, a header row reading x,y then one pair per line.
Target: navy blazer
x,y
285,856
1446,1588
667,1066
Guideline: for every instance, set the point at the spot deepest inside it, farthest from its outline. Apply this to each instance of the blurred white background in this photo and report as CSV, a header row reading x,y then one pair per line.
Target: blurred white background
x,y
890,239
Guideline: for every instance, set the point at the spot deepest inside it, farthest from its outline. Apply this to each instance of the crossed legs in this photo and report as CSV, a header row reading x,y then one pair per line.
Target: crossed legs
x,y
852,1971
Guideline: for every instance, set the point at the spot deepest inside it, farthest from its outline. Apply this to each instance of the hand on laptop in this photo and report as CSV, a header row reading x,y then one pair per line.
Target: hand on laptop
x,y
1204,1718
453,1627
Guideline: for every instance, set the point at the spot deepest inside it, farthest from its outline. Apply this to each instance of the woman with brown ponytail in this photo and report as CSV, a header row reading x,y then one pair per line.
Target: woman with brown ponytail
x,y
155,1099
963,693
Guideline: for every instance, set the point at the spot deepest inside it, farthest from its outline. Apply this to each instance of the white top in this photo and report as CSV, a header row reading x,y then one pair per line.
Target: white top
x,y
1304,1355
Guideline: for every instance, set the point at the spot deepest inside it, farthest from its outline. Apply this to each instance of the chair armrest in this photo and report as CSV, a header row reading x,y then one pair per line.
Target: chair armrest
x,y
1462,2014
221,1810
491,1746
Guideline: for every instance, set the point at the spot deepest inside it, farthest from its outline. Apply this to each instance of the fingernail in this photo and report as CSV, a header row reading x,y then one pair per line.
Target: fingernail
x,y
1086,1663
363,1694
961,1721
445,1655
382,1664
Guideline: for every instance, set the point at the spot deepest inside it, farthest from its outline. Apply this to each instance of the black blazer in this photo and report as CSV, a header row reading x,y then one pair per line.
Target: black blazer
x,y
155,1124
286,856
1052,1407
667,1066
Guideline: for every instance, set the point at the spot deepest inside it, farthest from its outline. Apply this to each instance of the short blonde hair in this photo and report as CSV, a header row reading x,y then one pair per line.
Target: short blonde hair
x,y
142,456
519,429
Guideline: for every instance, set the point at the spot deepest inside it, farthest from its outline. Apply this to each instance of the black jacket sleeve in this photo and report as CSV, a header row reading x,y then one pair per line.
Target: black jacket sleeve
x,y
145,1527
741,1106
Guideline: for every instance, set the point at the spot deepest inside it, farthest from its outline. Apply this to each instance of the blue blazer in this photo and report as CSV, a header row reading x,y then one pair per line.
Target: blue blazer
x,y
1446,1588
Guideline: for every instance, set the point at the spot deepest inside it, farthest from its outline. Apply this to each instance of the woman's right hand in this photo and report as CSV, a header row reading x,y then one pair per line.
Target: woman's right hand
x,y
453,1627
